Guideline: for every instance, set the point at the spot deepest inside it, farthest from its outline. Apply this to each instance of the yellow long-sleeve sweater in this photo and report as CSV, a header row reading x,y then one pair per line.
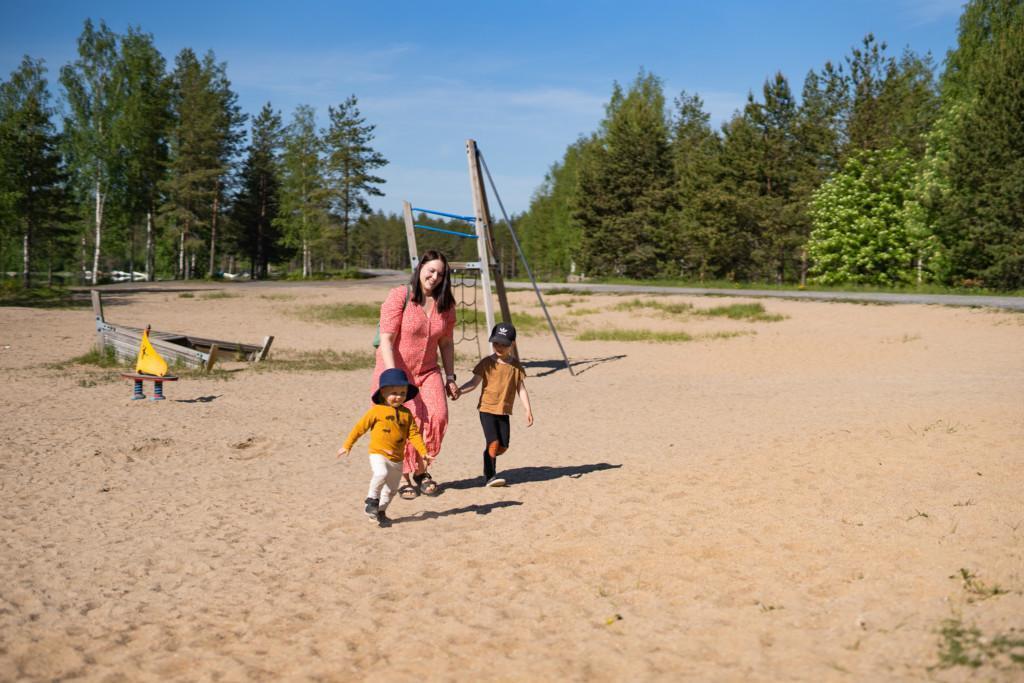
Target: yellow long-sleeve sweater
x,y
390,429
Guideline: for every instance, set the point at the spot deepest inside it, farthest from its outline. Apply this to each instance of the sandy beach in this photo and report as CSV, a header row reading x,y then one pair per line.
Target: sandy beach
x,y
836,495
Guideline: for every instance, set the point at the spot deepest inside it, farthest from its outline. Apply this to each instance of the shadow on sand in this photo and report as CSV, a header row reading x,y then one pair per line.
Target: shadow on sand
x,y
198,399
579,366
485,509
529,475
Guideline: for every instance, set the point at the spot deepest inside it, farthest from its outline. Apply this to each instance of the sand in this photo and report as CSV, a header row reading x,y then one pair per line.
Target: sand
x,y
795,502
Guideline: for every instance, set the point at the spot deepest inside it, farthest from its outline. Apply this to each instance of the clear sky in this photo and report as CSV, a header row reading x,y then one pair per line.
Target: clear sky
x,y
523,78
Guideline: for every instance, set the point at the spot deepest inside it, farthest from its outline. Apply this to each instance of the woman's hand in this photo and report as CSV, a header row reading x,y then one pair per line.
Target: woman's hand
x,y
452,389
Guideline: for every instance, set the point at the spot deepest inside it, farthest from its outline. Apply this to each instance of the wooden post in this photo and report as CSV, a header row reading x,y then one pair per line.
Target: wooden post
x,y
265,349
212,359
97,311
485,245
410,234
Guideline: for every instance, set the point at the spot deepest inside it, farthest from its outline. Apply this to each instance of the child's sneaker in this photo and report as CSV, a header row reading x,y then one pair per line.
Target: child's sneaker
x,y
382,519
372,508
495,481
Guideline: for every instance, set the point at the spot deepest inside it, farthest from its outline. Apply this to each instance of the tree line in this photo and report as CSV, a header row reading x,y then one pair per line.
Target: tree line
x,y
149,170
882,172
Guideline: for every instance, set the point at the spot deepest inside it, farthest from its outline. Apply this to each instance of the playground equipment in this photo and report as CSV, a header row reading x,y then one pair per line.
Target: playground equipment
x,y
149,367
487,267
184,349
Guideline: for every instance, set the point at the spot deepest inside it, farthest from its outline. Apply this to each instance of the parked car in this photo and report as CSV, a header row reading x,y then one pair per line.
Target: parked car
x,y
123,276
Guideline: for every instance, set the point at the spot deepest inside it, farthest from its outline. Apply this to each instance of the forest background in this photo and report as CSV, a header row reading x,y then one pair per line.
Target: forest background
x,y
885,170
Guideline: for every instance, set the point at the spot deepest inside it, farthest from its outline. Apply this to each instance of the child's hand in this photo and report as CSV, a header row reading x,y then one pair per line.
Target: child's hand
x,y
529,418
342,451
430,458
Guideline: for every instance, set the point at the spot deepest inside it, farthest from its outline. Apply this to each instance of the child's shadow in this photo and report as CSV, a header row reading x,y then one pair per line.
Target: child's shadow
x,y
478,509
525,475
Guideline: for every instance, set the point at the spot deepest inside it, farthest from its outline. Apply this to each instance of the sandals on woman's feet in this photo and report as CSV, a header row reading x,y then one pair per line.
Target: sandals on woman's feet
x,y
428,486
408,492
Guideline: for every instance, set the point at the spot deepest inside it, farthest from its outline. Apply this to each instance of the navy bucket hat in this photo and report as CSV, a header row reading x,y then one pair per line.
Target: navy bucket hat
x,y
394,378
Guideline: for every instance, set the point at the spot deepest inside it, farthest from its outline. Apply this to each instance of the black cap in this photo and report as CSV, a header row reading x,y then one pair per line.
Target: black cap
x,y
503,333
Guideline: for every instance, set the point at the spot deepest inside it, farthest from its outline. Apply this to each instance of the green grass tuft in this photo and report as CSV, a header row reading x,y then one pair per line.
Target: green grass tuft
x,y
219,294
633,336
960,645
365,314
753,312
671,309
101,359
324,360
976,587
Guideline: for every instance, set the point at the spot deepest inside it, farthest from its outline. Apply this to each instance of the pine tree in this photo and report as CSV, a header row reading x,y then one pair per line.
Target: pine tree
x,y
255,209
204,141
30,174
696,152
228,134
349,165
142,131
626,187
981,220
302,219
549,234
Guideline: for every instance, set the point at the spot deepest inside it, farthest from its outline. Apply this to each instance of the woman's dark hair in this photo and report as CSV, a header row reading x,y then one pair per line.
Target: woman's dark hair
x,y
443,298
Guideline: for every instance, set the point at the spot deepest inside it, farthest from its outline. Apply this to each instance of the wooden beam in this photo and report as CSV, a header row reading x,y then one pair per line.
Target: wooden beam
x,y
410,234
267,341
211,360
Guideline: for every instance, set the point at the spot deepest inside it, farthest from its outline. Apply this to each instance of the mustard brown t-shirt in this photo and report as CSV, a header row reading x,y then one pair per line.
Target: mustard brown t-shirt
x,y
390,429
500,383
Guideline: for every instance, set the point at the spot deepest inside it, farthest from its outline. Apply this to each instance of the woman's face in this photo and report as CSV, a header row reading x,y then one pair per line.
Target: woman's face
x,y
431,275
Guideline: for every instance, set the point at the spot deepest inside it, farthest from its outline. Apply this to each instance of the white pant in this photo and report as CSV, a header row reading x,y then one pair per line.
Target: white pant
x,y
387,474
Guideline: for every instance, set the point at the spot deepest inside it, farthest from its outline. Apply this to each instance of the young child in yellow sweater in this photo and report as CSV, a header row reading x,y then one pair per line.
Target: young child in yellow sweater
x,y
390,425
503,379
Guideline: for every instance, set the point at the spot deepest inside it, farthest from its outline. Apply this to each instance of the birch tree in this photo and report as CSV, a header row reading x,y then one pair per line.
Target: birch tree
x,y
93,93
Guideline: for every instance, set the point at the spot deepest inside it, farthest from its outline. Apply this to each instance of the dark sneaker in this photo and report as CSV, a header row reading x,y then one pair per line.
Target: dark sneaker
x,y
382,519
372,508
495,481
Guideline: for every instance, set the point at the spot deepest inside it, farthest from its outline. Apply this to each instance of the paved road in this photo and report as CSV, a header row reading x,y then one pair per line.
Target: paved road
x,y
396,276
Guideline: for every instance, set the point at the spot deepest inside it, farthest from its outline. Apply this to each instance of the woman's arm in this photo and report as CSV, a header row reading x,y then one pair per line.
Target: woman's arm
x,y
392,311
447,347
387,350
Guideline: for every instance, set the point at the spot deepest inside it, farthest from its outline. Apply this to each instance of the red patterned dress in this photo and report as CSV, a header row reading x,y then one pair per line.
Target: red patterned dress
x,y
414,347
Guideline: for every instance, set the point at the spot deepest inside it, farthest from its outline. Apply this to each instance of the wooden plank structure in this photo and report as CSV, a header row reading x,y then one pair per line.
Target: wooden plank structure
x,y
185,349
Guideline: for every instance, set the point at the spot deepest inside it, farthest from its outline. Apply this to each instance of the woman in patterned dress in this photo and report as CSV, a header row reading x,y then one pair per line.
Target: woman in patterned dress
x,y
416,322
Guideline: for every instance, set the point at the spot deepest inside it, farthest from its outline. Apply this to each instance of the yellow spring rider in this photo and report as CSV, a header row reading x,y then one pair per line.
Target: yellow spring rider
x,y
149,366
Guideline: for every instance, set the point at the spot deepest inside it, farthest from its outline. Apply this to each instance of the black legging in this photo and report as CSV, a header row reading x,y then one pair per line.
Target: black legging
x,y
496,428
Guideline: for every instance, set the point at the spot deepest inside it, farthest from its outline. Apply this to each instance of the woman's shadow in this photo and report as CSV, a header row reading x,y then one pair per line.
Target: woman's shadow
x,y
529,475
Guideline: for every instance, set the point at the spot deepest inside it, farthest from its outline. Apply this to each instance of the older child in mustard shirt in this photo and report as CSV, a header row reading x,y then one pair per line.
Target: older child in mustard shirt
x,y
503,379
391,425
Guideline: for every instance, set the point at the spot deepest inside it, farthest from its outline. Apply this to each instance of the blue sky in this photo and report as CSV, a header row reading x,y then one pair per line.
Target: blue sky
x,y
524,79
